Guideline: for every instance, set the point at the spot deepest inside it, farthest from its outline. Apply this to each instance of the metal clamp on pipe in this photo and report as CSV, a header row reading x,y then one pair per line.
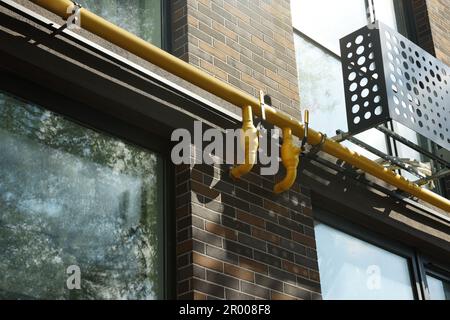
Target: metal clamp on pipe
x,y
290,159
249,142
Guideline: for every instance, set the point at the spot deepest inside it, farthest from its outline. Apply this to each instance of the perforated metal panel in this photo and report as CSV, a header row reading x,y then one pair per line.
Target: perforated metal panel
x,y
386,76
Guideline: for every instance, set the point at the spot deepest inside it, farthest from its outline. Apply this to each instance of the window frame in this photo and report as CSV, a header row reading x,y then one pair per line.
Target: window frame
x,y
344,225
85,115
429,266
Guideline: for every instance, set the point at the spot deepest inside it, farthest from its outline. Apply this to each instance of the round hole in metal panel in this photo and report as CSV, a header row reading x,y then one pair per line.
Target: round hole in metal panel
x,y
365,93
363,82
393,78
361,60
378,110
396,100
359,39
352,76
360,50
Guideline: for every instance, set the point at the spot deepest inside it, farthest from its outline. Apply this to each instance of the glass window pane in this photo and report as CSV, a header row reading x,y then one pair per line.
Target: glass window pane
x,y
438,289
142,18
321,86
326,21
354,269
73,196
385,12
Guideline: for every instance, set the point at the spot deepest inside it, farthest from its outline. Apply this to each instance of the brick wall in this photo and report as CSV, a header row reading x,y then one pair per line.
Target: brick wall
x,y
237,240
422,25
248,44
439,13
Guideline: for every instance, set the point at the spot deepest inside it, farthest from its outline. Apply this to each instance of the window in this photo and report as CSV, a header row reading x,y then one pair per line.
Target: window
x,y
318,26
438,289
140,17
326,21
354,269
73,196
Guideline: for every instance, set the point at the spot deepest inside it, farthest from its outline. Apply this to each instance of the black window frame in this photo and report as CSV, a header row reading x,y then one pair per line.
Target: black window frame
x,y
429,266
419,263
89,117
347,226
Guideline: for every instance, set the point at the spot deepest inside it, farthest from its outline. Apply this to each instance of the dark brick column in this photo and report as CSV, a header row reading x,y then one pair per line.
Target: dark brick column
x,y
237,240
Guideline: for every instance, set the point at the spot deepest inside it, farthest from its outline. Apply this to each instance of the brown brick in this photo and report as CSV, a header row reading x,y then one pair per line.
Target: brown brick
x,y
219,46
213,70
252,265
258,291
239,272
260,43
223,280
208,288
250,219
280,296
274,207
207,262
224,30
291,267
264,235
212,51
310,242
221,231
199,296
236,12
184,247
314,275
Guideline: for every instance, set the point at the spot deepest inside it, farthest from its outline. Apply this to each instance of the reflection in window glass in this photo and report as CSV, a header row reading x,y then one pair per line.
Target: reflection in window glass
x,y
438,289
354,269
385,12
326,21
73,196
142,18
321,86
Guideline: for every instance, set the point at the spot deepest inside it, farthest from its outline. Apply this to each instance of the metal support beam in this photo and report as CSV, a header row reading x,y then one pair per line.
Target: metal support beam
x,y
382,155
412,145
438,175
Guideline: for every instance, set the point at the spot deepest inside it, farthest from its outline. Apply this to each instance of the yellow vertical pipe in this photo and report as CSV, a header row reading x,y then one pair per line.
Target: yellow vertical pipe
x,y
249,142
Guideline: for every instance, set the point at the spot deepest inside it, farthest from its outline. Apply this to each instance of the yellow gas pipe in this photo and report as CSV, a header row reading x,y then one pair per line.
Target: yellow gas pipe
x,y
155,55
249,142
290,158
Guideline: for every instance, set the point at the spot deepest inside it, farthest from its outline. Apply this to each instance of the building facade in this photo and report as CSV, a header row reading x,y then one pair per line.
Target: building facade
x,y
88,188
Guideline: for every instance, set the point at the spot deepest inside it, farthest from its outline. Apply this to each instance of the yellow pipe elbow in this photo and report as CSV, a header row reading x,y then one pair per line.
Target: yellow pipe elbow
x,y
290,159
249,141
